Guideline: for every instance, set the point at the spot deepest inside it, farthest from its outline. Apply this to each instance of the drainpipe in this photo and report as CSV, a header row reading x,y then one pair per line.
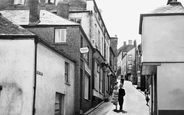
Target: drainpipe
x,y
35,77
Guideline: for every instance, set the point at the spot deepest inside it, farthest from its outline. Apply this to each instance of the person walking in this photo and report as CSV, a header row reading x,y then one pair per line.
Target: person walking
x,y
115,96
121,97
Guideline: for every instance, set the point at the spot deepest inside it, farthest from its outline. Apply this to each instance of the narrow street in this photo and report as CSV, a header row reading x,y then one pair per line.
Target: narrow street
x,y
134,104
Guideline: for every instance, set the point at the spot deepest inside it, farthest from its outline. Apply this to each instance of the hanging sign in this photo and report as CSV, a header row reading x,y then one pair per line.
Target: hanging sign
x,y
84,50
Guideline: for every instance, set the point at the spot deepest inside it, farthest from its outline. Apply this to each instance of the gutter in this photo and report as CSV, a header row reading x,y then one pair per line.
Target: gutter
x,y
35,78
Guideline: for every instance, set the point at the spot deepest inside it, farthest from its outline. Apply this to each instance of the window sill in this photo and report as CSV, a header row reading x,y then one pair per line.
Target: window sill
x,y
95,89
88,100
67,83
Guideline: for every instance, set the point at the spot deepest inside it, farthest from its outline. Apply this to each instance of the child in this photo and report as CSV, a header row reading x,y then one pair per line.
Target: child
x,y
115,96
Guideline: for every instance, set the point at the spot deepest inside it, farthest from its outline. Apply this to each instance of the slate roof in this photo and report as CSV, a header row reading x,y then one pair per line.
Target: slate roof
x,y
7,28
21,17
174,7
125,48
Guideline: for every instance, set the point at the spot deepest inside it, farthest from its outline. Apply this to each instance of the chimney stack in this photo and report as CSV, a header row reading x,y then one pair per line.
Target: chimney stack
x,y
129,42
34,13
63,9
77,5
124,43
135,43
172,2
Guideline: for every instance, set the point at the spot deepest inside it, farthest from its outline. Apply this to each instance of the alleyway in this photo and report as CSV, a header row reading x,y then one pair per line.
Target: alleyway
x,y
134,103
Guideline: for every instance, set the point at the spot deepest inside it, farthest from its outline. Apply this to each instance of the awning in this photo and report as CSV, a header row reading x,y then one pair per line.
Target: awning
x,y
149,69
97,55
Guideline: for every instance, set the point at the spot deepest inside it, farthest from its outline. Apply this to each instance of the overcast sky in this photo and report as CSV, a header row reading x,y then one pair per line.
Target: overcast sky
x,y
121,17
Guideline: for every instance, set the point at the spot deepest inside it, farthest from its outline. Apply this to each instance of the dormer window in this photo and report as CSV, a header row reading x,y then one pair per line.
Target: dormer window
x,y
50,1
60,35
77,20
19,2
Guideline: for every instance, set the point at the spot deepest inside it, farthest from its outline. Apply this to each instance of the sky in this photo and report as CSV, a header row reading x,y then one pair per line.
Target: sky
x,y
121,17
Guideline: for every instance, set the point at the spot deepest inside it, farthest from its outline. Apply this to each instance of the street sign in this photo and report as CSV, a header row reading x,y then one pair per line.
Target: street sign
x,y
84,50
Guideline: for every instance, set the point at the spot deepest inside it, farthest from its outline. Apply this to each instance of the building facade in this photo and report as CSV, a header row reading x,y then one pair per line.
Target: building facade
x,y
123,60
29,84
93,70
162,58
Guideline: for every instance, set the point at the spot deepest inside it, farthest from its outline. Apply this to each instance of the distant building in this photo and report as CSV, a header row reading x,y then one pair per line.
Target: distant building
x,y
122,60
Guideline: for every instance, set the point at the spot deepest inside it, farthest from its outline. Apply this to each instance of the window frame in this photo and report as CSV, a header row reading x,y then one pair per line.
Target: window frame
x,y
60,39
87,88
67,71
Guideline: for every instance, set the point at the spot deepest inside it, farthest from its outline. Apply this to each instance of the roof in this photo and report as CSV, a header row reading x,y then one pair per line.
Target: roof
x,y
7,28
125,48
21,17
173,8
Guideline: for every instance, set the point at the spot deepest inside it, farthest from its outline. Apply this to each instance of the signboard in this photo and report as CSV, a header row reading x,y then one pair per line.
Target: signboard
x,y
84,50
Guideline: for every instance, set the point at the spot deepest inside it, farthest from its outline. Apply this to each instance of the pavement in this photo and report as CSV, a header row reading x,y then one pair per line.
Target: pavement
x,y
134,103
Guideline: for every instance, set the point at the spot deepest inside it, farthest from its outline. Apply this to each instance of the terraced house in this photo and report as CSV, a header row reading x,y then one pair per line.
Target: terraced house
x,y
35,76
70,26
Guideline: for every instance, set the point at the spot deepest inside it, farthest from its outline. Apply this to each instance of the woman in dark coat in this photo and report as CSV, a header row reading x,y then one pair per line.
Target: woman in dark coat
x,y
121,97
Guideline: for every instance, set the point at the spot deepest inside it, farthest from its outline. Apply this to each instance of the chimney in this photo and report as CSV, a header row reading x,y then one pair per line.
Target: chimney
x,y
135,43
63,9
34,13
77,5
172,2
129,42
124,43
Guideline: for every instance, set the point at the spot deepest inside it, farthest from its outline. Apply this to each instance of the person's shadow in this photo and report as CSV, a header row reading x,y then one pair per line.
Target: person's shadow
x,y
123,111
115,110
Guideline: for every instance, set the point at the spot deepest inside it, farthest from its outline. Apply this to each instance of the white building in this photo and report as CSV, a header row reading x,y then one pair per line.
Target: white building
x,y
162,51
36,78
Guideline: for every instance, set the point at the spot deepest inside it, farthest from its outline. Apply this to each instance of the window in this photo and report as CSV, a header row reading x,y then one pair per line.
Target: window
x,y
77,20
51,1
67,72
99,44
86,56
130,57
60,35
129,66
59,104
20,2
87,90
100,80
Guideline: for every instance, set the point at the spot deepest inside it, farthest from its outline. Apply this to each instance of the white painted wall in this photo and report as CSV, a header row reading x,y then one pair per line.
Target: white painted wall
x,y
170,86
52,65
85,22
162,38
17,73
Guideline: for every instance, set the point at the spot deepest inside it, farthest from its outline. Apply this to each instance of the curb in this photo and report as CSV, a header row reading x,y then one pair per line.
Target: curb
x,y
94,108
